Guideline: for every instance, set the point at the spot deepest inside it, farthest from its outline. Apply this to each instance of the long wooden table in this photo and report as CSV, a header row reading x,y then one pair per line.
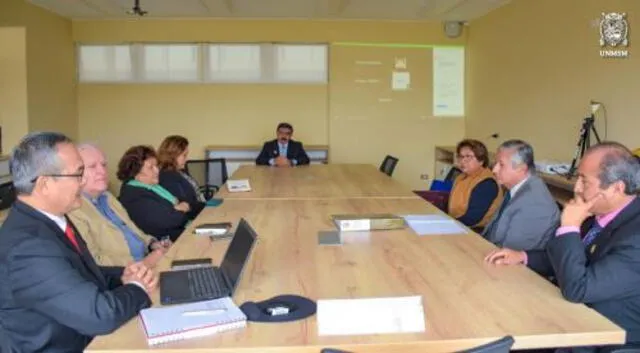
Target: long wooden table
x,y
316,181
467,301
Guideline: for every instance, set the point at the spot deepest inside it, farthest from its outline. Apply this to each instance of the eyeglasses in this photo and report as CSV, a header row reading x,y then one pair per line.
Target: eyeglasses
x,y
469,156
75,175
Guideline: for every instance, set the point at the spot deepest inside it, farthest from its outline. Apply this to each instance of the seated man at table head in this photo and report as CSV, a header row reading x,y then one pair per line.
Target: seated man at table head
x,y
528,214
283,151
151,207
172,159
475,195
53,295
111,236
595,253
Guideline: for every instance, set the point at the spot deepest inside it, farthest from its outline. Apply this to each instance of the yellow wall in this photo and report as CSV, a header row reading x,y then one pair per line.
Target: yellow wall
x,y
50,66
118,116
534,65
13,86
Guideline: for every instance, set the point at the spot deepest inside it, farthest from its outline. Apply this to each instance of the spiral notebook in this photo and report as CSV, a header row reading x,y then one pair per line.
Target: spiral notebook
x,y
180,322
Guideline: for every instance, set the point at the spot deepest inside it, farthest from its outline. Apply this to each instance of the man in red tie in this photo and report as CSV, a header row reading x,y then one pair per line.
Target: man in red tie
x,y
53,295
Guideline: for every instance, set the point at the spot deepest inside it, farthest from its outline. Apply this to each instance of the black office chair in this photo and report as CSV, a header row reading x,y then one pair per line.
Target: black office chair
x,y
388,165
502,345
453,174
210,174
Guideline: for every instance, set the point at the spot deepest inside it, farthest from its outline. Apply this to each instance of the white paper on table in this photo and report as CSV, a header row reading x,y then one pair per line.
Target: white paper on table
x,y
238,185
370,316
448,81
430,224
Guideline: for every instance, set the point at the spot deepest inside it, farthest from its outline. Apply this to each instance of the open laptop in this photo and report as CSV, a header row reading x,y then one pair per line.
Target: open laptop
x,y
207,283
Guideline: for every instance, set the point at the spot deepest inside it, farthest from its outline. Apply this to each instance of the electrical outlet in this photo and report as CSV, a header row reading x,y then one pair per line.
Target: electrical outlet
x,y
424,176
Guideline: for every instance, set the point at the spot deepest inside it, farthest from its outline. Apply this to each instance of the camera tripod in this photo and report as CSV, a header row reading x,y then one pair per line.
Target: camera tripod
x,y
584,142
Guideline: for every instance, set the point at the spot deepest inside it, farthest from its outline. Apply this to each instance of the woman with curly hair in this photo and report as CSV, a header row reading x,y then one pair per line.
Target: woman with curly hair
x,y
151,207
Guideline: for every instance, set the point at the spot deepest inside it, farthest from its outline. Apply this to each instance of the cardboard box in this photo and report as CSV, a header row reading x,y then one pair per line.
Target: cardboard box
x,y
363,222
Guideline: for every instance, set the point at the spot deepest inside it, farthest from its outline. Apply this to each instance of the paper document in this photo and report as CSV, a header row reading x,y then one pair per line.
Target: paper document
x,y
370,316
238,185
400,81
430,224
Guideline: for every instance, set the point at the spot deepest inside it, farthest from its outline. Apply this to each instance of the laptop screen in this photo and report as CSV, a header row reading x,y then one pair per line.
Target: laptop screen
x,y
238,253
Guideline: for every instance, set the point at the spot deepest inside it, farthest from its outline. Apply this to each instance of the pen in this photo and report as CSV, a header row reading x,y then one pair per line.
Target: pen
x,y
203,312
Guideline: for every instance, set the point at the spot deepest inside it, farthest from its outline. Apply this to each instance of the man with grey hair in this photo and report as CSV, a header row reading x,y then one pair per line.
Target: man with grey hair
x,y
111,236
595,253
528,215
53,296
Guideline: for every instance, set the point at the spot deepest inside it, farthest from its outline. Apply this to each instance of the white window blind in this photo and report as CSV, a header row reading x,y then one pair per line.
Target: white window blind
x,y
203,63
105,63
170,63
234,63
301,63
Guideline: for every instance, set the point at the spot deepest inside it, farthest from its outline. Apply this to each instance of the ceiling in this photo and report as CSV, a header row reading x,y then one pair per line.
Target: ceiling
x,y
456,10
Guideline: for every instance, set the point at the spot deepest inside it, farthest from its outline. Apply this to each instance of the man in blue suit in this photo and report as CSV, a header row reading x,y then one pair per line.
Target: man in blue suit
x,y
283,151
53,296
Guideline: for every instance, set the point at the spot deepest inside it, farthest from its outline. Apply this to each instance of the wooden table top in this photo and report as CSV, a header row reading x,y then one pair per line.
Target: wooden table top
x,y
467,302
316,181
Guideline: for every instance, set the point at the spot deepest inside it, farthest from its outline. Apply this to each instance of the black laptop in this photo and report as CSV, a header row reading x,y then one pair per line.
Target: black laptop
x,y
205,283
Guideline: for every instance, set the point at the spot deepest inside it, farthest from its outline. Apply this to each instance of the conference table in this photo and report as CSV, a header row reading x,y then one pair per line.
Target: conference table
x,y
466,301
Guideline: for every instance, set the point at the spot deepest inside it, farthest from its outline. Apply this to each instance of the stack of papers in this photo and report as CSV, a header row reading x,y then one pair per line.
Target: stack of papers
x,y
430,224
238,185
370,316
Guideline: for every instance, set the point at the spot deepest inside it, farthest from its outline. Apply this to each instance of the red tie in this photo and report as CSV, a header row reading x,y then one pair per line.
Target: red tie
x,y
72,237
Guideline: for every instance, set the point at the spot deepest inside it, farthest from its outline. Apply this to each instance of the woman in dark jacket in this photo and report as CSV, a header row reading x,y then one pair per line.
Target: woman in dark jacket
x,y
151,207
172,158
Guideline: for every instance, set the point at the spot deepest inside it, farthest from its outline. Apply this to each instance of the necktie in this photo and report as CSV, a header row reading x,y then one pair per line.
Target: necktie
x,y
503,205
71,236
592,234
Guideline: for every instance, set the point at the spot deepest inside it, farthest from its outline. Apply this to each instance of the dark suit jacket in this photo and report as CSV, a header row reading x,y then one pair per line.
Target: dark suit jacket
x,y
151,213
606,275
271,150
53,299
180,187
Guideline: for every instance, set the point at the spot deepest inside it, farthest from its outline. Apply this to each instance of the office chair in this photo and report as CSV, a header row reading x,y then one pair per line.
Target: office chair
x,y
333,350
453,174
388,165
210,174
502,345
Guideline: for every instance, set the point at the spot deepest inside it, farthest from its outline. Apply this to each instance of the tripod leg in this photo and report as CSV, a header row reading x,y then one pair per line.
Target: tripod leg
x,y
595,133
578,154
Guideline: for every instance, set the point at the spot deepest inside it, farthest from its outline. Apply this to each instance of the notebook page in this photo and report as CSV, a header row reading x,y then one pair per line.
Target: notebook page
x,y
434,224
370,316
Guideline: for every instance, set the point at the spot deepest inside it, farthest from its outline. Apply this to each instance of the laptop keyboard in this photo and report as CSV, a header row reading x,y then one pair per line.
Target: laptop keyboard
x,y
206,282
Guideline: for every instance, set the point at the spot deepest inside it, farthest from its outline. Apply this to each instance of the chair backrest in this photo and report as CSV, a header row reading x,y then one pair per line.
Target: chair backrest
x,y
388,165
208,172
453,174
502,345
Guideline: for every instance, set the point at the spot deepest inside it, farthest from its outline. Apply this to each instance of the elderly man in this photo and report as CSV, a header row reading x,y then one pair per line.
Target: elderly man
x,y
598,265
111,236
528,215
53,296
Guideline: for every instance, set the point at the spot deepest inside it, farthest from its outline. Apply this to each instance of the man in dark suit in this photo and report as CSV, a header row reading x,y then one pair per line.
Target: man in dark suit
x,y
53,296
283,151
600,265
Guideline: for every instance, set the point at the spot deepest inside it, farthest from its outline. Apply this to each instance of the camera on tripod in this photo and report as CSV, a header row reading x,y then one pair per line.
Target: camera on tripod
x,y
584,141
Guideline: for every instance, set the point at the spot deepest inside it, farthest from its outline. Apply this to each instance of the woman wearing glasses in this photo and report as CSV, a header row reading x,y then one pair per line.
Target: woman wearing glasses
x,y
150,206
475,195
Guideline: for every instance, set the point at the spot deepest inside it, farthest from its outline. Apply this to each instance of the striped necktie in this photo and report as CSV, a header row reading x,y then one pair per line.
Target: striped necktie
x,y
592,234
